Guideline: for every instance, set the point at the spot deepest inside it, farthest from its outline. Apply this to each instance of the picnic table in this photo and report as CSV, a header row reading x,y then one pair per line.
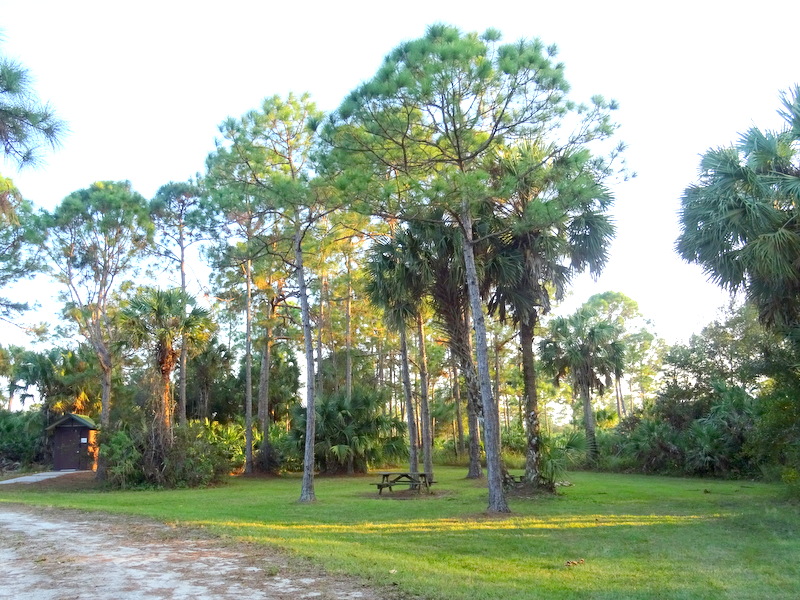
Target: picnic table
x,y
415,481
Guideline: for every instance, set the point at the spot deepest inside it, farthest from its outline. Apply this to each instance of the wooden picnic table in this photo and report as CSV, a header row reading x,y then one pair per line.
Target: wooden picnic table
x,y
415,481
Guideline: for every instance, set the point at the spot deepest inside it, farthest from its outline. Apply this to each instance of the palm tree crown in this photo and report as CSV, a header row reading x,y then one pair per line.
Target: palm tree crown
x,y
740,222
587,349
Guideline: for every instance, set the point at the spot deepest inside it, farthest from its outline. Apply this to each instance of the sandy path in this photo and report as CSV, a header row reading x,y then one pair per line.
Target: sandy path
x,y
61,555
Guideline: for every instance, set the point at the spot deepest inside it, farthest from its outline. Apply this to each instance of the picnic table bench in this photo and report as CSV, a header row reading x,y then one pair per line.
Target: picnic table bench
x,y
415,481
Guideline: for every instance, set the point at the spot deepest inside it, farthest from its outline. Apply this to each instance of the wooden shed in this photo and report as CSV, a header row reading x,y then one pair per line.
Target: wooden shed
x,y
74,439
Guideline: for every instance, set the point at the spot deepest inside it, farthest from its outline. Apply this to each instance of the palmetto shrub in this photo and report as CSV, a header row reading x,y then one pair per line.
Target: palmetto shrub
x,y
715,444
351,435
655,446
559,453
706,449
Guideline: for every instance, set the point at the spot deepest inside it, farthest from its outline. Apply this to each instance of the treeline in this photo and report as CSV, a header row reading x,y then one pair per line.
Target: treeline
x,y
400,255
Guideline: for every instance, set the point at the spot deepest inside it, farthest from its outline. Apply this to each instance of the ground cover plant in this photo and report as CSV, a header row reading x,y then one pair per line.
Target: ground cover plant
x,y
631,536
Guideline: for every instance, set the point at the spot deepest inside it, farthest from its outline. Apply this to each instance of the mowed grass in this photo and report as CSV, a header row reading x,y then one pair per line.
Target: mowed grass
x,y
639,537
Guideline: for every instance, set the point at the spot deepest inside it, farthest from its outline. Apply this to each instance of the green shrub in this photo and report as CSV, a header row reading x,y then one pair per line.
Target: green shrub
x,y
229,438
514,438
22,437
123,459
559,453
791,477
654,445
198,454
706,449
196,457
352,434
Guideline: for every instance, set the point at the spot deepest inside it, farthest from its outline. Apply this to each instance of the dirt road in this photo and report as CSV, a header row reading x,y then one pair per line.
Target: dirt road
x,y
61,555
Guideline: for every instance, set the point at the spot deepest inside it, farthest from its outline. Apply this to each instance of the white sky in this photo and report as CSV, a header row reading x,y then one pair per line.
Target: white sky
x,y
143,86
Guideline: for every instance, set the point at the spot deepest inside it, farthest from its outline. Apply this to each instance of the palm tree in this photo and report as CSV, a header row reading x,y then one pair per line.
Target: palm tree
x,y
552,225
395,284
440,249
740,222
175,210
589,351
209,365
160,321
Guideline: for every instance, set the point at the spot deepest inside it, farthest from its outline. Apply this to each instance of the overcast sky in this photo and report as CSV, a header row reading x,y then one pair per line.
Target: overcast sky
x,y
143,86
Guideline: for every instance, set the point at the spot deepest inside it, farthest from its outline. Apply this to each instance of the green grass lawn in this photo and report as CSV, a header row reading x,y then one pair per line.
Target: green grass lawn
x,y
640,537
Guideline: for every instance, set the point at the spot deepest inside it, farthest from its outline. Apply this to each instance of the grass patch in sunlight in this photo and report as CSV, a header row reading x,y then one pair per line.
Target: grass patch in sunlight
x,y
639,537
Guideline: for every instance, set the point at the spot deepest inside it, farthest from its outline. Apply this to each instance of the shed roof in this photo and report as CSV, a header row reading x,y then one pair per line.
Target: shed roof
x,y
81,419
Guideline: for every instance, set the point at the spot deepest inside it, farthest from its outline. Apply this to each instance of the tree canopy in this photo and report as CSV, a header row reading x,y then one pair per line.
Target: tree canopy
x,y
739,223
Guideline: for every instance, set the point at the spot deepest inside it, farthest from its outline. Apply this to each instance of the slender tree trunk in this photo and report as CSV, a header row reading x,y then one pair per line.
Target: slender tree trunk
x,y
320,329
588,419
424,407
263,381
533,454
413,461
381,375
348,371
248,373
459,418
496,380
104,358
491,424
620,399
182,410
184,350
205,396
307,490
462,348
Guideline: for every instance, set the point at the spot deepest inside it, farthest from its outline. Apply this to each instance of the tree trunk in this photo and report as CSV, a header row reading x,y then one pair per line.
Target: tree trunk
x,y
104,358
463,350
588,419
424,408
623,412
205,396
533,454
166,409
459,418
307,489
182,418
320,330
263,378
496,380
491,424
348,370
184,350
248,372
381,375
413,461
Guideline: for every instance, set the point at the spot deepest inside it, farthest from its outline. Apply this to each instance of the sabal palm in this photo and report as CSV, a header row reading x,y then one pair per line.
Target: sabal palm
x,y
159,321
439,246
740,223
209,365
396,282
589,351
553,224
425,258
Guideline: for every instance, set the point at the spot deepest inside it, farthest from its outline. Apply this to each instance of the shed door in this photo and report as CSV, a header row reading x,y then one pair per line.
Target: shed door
x,y
67,448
